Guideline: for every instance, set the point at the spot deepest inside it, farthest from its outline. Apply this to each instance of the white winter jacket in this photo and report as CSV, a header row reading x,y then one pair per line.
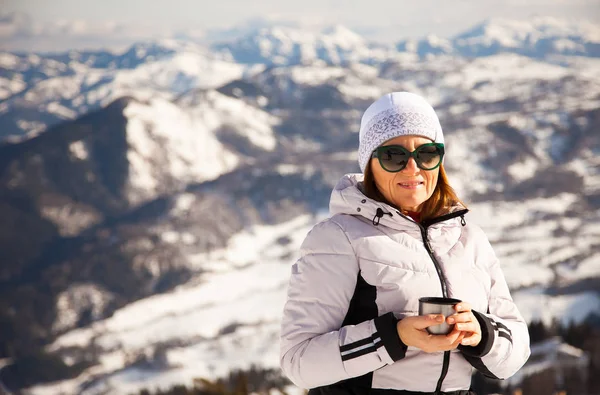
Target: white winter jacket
x,y
363,269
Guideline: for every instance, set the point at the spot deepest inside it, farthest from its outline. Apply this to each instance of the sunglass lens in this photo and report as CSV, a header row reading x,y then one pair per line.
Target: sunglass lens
x,y
428,157
393,159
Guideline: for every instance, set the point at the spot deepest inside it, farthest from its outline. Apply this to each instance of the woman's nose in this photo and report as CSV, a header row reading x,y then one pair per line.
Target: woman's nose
x,y
411,167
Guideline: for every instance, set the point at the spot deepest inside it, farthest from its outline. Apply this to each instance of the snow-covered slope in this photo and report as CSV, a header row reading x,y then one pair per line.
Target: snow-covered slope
x,y
171,146
238,302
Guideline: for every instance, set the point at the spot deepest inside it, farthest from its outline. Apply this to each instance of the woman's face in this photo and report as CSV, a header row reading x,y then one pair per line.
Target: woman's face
x,y
411,186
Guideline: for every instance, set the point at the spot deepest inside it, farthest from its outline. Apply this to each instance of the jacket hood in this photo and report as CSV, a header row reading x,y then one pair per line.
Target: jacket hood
x,y
348,198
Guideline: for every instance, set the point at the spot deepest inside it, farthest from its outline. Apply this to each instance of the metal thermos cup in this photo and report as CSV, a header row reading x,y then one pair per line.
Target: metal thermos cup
x,y
436,305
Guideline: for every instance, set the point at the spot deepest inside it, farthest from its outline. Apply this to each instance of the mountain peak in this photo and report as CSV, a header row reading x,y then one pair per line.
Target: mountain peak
x,y
536,37
343,34
502,29
284,45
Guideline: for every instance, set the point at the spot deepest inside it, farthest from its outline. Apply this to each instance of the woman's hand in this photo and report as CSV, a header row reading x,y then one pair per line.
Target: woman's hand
x,y
465,321
413,332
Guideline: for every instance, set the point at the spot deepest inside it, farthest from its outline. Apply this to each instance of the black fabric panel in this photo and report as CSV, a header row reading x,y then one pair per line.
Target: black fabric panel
x,y
362,305
362,308
341,388
386,327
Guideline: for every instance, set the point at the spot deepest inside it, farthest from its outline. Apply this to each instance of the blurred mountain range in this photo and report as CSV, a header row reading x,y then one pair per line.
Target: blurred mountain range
x,y
40,90
153,200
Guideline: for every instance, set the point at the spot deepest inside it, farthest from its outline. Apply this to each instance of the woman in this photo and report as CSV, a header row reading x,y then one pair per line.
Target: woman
x,y
397,233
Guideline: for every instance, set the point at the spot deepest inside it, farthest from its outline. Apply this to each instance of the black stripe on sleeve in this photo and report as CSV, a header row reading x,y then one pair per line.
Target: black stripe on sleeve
x,y
501,325
350,346
362,352
505,335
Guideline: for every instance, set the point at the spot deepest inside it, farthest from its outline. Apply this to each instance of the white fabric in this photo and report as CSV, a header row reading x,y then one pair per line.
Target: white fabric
x,y
392,258
396,114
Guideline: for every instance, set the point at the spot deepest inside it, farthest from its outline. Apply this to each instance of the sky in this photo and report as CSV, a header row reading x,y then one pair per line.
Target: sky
x,y
73,24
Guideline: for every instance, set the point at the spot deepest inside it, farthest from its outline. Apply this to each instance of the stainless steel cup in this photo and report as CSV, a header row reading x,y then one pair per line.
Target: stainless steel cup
x,y
433,305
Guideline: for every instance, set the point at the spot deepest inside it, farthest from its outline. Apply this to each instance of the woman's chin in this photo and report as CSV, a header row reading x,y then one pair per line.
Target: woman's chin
x,y
409,204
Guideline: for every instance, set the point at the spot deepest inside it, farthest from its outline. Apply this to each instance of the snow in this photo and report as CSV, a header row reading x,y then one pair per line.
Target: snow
x,y
8,60
315,75
534,304
61,111
256,124
245,285
360,90
79,150
31,128
78,298
10,87
285,45
589,267
502,67
51,89
513,272
532,257
515,33
564,45
587,68
181,72
286,169
184,145
523,170
83,88
342,36
183,203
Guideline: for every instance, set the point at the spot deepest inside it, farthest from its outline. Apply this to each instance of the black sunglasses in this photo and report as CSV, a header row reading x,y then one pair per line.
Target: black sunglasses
x,y
394,158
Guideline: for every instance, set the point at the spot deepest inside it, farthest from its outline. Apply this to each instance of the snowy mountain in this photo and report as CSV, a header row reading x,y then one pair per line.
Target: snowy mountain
x,y
150,240
538,37
42,90
287,46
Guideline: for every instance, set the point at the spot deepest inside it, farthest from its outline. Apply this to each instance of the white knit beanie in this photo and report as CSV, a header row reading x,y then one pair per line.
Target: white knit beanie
x,y
396,114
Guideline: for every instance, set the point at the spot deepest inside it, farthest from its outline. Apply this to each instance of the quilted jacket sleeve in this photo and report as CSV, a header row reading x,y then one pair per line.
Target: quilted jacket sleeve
x,y
504,348
315,349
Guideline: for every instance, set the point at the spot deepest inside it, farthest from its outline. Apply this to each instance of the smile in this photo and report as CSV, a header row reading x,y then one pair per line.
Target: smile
x,y
410,184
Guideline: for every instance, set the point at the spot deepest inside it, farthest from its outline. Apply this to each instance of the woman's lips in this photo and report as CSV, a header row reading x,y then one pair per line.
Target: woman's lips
x,y
410,184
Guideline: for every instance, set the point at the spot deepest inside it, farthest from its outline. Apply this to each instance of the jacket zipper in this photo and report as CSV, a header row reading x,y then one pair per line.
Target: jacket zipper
x,y
438,269
443,281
